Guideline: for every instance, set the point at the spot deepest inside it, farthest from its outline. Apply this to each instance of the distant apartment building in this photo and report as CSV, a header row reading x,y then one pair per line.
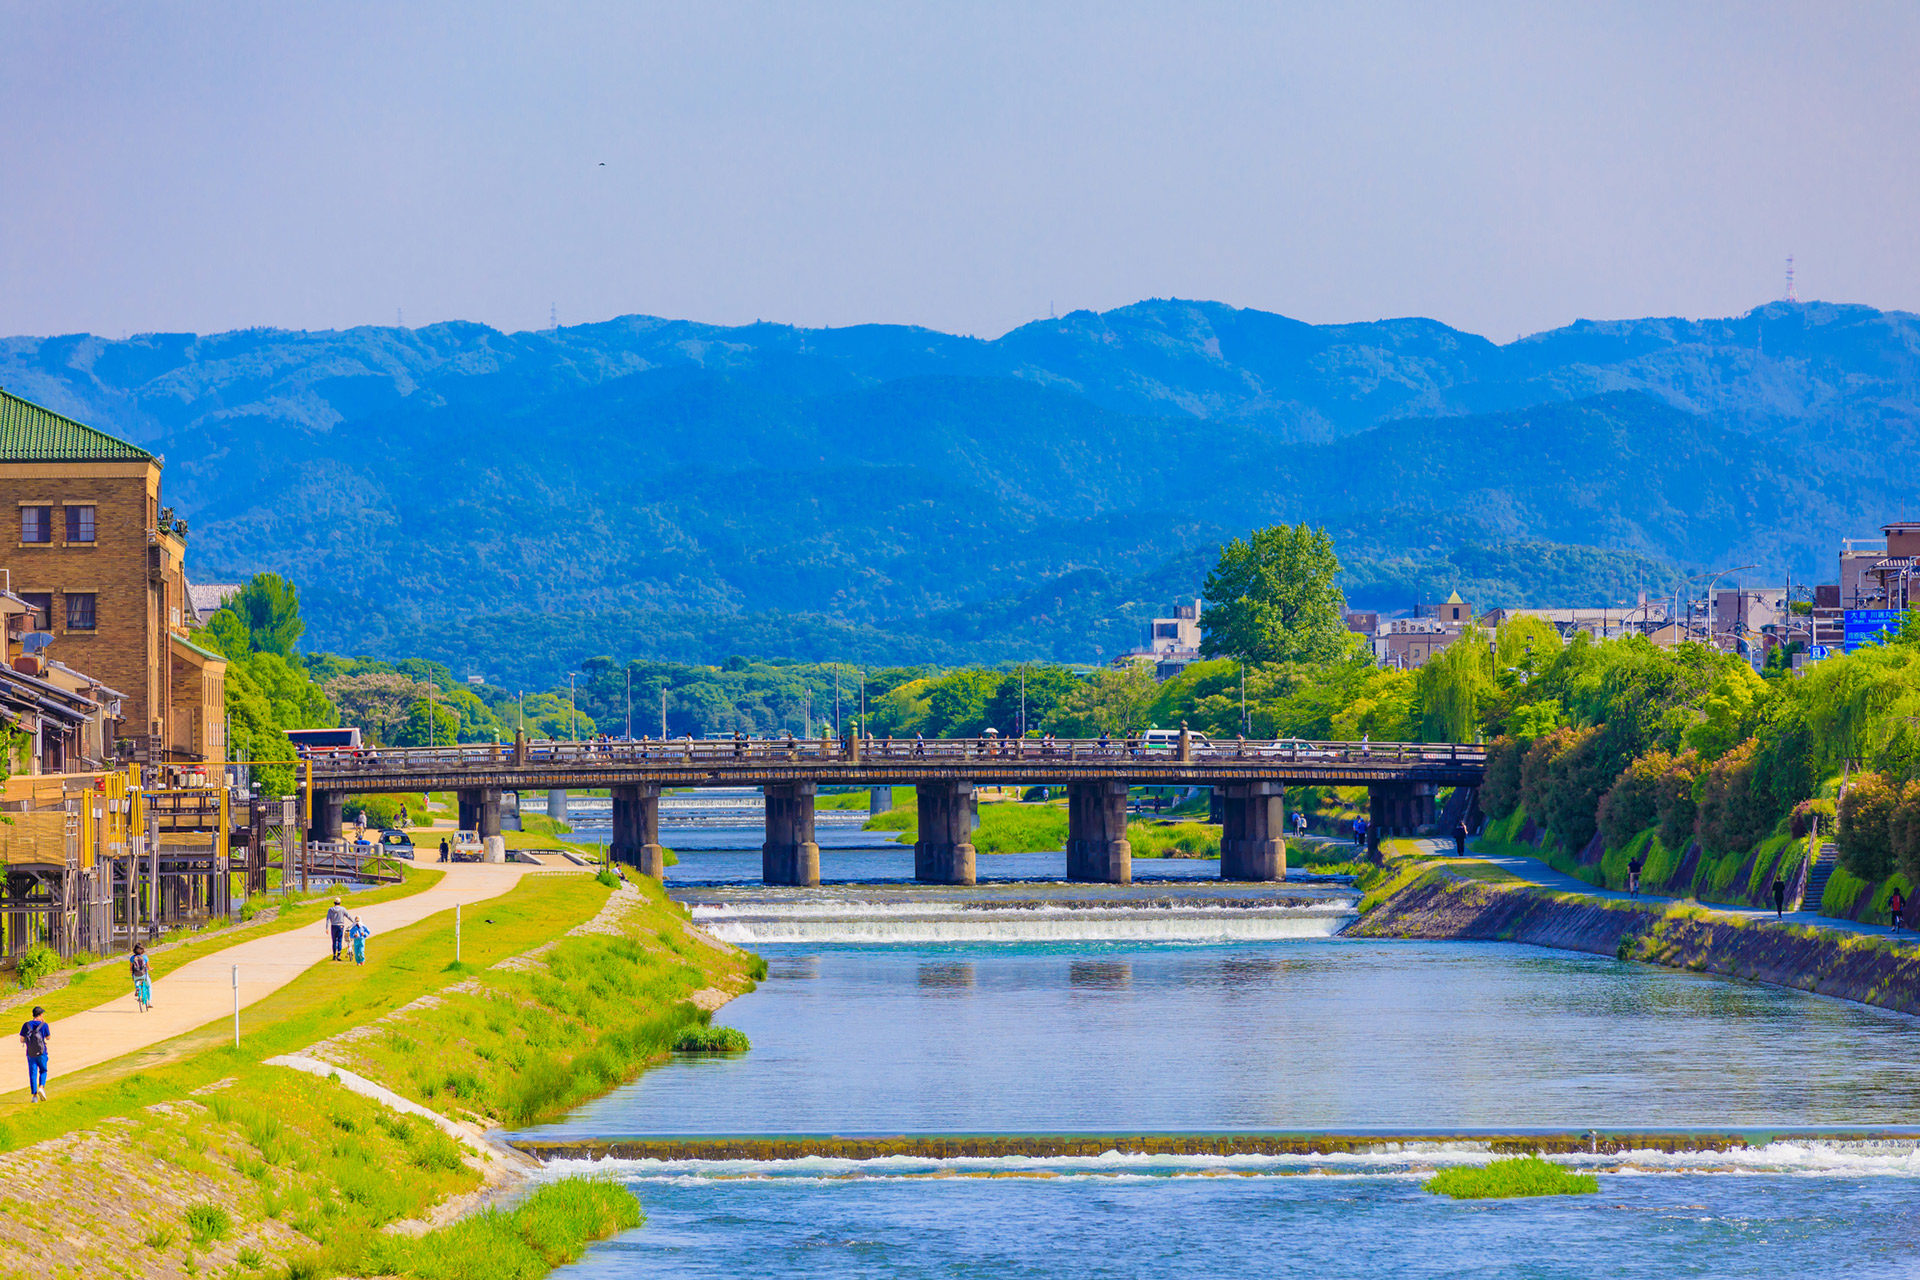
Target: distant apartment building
x,y
1170,643
100,566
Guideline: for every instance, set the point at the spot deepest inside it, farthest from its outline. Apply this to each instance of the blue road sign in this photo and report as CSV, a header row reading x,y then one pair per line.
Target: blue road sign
x,y
1818,652
1869,626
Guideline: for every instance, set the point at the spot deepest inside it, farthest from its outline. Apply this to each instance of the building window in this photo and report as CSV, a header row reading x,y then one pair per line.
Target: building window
x,y
36,524
41,619
80,610
79,524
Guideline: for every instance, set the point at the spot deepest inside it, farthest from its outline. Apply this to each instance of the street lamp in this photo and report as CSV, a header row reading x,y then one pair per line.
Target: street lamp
x,y
573,716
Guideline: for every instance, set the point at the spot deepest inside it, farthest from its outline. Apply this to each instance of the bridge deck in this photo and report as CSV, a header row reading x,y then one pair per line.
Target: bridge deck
x,y
725,763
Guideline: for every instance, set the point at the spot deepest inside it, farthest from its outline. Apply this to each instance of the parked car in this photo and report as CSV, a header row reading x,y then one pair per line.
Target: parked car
x,y
1166,742
395,843
467,847
1296,749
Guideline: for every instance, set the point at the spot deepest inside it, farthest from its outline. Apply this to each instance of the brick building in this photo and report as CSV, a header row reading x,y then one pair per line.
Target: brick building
x,y
103,566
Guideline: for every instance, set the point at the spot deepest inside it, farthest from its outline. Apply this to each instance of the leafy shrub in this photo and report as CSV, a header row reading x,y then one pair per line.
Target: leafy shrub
x,y
1500,791
1632,804
608,877
1678,811
1809,814
208,1222
712,1040
1577,775
1521,1176
1903,832
1732,817
36,964
1866,844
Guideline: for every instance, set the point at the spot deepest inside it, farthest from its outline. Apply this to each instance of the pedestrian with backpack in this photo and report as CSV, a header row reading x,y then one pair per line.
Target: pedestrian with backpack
x,y
35,1033
142,976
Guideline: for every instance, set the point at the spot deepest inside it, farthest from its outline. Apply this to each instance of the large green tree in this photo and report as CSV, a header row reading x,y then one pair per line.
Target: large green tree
x,y
1275,597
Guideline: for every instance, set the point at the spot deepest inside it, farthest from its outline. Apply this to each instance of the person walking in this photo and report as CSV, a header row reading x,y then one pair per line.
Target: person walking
x,y
35,1033
1896,907
1460,838
1779,897
337,922
359,933
1360,832
142,974
443,848
1633,875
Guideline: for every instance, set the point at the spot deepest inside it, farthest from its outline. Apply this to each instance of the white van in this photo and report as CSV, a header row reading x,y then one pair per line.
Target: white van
x,y
1166,742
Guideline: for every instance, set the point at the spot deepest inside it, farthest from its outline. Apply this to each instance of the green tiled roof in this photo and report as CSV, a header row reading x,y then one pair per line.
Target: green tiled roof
x,y
29,433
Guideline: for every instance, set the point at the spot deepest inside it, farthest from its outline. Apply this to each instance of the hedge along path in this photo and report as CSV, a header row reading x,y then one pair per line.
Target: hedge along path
x,y
200,991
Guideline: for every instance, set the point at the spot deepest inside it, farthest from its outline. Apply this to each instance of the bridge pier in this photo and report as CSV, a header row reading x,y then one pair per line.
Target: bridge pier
x,y
790,855
328,819
636,829
944,852
1097,848
556,804
480,811
1253,843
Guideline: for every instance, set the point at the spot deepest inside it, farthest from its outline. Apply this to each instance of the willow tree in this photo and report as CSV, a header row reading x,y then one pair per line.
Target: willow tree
x,y
1454,687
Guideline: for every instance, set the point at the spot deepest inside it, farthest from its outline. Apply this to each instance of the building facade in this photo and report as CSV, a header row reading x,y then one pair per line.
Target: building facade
x,y
102,565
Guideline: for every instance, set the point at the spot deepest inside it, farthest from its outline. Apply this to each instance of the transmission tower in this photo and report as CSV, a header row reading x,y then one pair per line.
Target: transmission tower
x,y
1792,296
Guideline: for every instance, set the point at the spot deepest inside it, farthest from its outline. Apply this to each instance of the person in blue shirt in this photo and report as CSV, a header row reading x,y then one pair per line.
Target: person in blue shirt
x,y
359,934
35,1033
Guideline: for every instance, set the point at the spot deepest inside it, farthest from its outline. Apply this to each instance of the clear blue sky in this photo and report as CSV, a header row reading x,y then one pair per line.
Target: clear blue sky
x,y
1503,168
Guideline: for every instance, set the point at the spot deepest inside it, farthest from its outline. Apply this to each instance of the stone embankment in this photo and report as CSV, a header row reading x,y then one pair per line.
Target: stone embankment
x,y
1442,904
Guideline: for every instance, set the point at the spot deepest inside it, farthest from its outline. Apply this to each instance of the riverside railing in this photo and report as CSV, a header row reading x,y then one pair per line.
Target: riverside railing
x,y
334,763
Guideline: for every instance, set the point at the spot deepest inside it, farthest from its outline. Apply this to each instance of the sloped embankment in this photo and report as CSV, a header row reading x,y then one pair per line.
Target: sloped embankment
x,y
1444,905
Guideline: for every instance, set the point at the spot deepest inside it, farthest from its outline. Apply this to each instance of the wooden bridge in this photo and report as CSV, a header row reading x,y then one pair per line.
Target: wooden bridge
x,y
1249,779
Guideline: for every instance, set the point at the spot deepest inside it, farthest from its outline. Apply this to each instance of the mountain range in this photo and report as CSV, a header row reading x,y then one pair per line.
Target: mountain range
x,y
512,503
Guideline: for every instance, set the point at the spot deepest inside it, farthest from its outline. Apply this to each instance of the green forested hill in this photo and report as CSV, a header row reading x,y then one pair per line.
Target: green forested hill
x,y
513,502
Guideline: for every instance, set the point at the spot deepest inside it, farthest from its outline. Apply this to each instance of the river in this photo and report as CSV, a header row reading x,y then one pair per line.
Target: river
x,y
1180,1006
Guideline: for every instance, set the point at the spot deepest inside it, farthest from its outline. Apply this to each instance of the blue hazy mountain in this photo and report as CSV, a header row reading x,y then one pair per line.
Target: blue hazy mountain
x,y
509,501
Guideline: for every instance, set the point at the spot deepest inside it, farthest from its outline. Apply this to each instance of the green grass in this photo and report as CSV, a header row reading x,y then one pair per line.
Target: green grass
x,y
1520,1176
1156,839
549,1229
710,1039
842,800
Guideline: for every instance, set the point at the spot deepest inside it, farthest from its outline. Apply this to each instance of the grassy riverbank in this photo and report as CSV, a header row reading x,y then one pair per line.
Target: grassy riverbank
x,y
222,1162
1463,900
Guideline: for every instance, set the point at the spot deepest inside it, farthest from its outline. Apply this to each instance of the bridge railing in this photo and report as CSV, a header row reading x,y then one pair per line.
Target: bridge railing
x,y
751,751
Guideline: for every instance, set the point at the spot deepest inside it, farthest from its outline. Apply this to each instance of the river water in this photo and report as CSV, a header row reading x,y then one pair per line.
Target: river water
x,y
1180,1005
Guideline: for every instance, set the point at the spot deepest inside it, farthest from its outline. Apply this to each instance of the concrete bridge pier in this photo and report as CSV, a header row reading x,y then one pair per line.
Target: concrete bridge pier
x,y
790,855
480,811
879,799
944,852
1253,842
328,818
1097,848
557,804
636,829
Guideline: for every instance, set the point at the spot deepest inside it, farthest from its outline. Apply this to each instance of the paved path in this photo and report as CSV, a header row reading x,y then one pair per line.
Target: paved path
x,y
1537,872
201,990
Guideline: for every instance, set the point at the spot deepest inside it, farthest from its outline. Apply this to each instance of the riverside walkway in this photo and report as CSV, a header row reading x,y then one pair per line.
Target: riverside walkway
x,y
1248,779
201,991
1536,872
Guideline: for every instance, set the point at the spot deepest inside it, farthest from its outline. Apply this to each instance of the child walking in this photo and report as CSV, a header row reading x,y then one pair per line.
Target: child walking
x,y
359,933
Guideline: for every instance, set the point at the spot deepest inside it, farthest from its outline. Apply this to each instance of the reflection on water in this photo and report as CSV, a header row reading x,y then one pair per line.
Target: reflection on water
x,y
947,975
1305,1034
1100,975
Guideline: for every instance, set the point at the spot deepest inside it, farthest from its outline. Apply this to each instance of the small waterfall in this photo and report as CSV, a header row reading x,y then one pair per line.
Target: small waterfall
x,y
910,921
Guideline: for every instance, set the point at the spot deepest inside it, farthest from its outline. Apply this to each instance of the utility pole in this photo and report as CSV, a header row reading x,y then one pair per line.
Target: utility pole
x,y
836,700
1023,700
1243,700
629,704
573,715
863,704
663,713
432,691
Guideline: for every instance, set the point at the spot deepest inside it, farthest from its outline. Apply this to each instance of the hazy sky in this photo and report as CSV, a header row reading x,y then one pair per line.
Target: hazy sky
x,y
1504,168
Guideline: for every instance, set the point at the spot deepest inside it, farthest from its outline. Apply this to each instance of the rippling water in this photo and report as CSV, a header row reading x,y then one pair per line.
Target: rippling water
x,y
890,1031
